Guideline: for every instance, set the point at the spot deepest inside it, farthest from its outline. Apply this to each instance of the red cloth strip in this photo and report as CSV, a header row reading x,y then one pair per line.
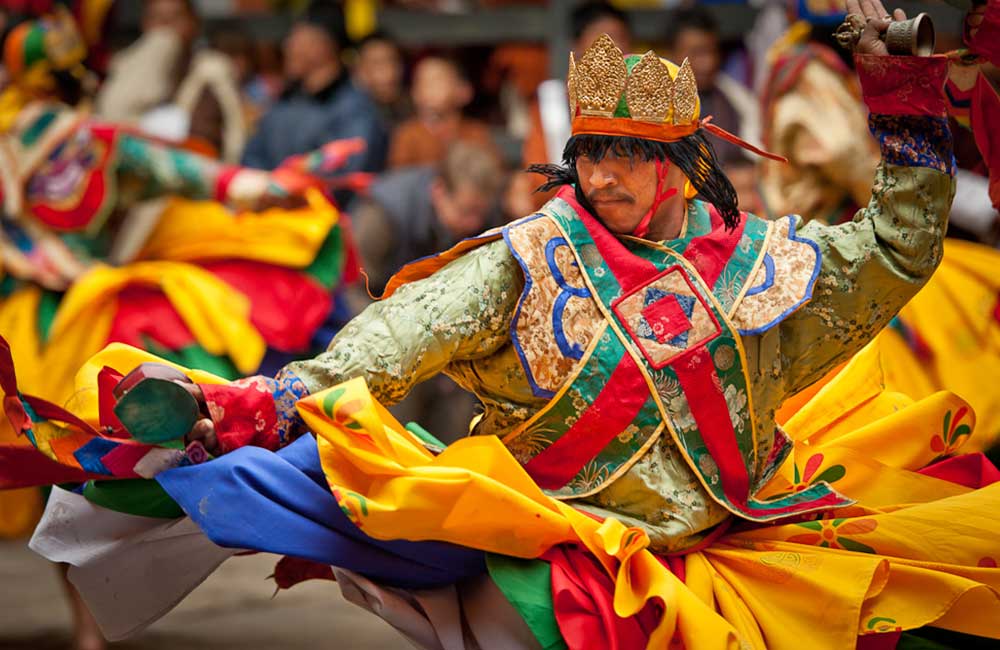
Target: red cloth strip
x,y
711,252
985,116
699,382
971,470
986,42
286,305
630,270
723,134
145,313
611,412
24,466
583,604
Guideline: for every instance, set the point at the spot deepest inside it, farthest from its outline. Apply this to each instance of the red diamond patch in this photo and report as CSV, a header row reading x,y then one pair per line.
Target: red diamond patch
x,y
666,318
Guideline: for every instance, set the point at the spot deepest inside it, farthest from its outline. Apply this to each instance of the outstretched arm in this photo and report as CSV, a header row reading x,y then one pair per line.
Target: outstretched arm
x,y
152,169
873,265
462,312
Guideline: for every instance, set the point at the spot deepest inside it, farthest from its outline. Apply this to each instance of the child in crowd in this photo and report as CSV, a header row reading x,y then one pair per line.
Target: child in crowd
x,y
379,70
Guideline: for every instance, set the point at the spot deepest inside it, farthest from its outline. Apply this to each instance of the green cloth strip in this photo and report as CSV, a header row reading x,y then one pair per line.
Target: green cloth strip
x,y
425,436
141,497
527,584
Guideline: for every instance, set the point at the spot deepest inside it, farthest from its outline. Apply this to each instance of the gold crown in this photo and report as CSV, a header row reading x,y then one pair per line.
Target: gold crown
x,y
655,90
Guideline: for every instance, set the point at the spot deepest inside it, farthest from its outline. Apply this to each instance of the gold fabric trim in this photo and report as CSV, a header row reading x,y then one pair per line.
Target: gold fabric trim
x,y
794,265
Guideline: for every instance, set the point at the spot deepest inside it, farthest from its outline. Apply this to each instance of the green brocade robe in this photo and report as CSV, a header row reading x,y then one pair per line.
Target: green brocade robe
x,y
458,320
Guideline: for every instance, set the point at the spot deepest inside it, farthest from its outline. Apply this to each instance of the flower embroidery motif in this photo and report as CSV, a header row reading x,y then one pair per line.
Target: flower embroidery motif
x,y
353,505
808,476
628,434
953,434
215,411
832,533
342,412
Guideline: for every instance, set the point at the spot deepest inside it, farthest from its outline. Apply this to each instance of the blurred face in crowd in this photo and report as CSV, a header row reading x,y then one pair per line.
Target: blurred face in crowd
x,y
701,48
438,88
609,25
174,15
463,210
745,177
380,70
622,190
307,48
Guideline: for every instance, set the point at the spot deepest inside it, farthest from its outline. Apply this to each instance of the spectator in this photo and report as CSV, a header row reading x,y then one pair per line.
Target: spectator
x,y
550,128
694,35
415,212
258,71
379,70
593,18
172,88
440,92
321,103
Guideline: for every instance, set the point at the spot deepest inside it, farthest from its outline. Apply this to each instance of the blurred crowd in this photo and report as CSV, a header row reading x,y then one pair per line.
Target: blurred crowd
x,y
447,131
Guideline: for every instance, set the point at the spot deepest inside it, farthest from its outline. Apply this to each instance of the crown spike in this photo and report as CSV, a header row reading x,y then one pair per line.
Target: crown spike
x,y
600,78
571,85
648,90
685,95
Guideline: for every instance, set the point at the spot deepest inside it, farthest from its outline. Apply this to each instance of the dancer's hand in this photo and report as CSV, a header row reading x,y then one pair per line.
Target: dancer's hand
x,y
203,431
877,21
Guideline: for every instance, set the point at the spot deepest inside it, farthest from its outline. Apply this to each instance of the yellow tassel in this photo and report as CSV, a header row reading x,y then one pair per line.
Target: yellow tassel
x,y
689,190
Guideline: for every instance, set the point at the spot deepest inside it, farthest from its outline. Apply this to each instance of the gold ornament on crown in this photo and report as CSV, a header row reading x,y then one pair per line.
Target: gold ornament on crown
x,y
649,90
571,86
597,81
600,78
685,94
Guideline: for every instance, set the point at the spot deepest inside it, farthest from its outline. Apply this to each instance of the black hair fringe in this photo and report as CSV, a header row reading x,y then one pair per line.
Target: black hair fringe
x,y
694,155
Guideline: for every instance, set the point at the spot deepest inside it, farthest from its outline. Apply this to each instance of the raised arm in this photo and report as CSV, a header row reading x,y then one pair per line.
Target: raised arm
x,y
873,265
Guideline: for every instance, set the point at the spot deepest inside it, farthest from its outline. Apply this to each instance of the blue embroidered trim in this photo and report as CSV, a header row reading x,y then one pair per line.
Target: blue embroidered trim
x,y
536,390
768,277
286,390
567,291
915,141
809,290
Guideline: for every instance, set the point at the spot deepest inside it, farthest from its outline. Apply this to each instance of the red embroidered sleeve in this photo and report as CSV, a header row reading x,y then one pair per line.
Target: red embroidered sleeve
x,y
256,411
903,85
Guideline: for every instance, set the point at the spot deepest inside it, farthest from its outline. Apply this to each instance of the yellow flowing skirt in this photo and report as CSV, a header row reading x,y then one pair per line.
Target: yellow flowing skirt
x,y
955,318
914,551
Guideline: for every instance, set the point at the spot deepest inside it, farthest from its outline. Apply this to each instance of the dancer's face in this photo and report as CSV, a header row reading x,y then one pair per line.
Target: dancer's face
x,y
623,189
